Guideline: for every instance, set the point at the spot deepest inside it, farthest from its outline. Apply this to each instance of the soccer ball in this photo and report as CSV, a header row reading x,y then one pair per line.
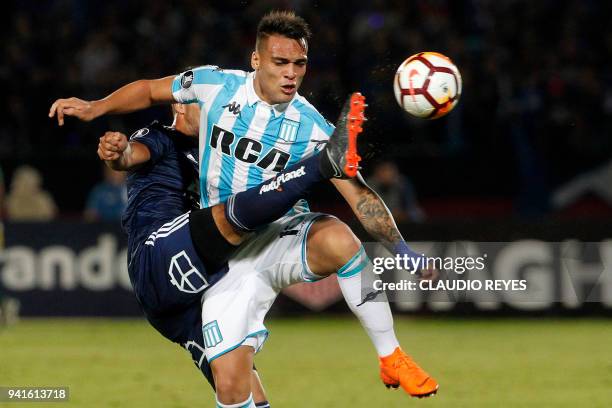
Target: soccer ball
x,y
427,85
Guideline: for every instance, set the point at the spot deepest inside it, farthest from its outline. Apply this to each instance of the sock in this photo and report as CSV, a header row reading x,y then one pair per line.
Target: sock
x,y
271,199
263,404
244,404
372,309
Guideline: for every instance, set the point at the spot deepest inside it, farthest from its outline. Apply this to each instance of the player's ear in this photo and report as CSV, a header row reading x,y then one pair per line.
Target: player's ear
x,y
255,60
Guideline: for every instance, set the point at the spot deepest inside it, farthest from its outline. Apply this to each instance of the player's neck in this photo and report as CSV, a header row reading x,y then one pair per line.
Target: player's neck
x,y
259,91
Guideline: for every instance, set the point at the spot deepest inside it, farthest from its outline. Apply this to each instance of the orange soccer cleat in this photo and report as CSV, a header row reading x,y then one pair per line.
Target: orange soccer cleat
x,y
355,123
341,149
398,369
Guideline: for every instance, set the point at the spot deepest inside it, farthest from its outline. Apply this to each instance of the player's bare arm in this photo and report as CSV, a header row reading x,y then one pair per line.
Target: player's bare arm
x,y
120,154
374,215
132,97
370,209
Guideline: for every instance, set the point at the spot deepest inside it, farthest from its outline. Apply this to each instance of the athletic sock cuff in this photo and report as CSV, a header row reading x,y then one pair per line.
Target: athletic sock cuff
x,y
244,404
355,265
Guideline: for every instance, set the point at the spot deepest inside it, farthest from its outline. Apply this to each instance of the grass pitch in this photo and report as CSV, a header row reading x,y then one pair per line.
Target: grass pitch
x,y
322,362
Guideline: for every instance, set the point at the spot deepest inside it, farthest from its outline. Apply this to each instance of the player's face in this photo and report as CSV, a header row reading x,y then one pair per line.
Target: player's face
x,y
280,63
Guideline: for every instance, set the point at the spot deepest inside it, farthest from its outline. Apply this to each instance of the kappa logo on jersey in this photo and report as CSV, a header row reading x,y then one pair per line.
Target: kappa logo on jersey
x,y
277,182
289,130
248,150
233,108
184,275
139,133
212,334
187,79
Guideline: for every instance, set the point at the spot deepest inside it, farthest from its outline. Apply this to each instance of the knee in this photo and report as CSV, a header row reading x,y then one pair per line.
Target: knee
x,y
232,389
331,244
343,243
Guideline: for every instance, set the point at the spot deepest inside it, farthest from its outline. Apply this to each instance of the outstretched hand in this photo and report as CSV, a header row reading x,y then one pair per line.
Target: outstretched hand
x,y
76,107
112,145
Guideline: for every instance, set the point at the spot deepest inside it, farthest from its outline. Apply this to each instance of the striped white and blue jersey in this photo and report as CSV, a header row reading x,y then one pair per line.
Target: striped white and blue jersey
x,y
244,140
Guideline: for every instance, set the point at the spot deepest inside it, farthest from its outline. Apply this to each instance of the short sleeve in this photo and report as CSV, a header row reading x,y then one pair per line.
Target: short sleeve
x,y
323,129
157,142
196,85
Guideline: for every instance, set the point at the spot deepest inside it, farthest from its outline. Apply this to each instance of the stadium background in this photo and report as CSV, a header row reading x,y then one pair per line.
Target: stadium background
x,y
535,113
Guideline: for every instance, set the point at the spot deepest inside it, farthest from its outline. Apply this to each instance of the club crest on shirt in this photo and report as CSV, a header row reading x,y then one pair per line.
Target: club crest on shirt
x,y
187,79
288,130
139,133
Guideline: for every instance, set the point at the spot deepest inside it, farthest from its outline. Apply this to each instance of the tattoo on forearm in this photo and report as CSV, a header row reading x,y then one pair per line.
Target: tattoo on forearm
x,y
376,218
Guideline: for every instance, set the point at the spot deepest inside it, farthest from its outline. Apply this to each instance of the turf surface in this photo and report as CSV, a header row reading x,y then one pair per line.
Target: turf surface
x,y
322,362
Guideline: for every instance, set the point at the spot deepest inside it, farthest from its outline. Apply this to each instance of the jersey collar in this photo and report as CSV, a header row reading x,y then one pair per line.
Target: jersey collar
x,y
253,98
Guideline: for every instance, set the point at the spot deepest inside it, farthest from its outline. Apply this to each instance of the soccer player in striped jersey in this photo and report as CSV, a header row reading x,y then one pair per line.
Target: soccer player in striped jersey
x,y
252,126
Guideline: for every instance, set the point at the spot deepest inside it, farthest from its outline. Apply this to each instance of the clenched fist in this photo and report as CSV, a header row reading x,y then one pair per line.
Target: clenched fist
x,y
112,145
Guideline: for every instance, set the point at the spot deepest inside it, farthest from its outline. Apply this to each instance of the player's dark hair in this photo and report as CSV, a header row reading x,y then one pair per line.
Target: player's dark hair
x,y
284,23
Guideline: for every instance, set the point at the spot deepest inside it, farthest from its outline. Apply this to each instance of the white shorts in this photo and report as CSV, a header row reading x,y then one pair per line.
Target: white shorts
x,y
234,309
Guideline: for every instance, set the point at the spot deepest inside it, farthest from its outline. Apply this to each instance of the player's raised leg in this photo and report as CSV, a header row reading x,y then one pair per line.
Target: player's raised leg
x,y
333,248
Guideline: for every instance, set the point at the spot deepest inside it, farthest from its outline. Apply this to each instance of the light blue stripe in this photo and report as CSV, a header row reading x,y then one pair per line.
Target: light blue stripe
x,y
303,135
240,129
223,98
355,270
257,333
357,262
209,76
314,115
201,75
353,259
255,172
176,84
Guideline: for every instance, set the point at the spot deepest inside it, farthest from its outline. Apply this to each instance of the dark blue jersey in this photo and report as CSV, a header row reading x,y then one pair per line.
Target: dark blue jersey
x,y
166,273
159,190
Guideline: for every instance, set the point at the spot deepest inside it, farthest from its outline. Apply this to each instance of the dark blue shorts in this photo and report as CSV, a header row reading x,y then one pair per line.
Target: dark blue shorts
x,y
169,279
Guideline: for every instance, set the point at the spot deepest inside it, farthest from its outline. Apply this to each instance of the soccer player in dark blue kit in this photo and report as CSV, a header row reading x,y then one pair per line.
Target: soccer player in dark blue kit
x,y
163,169
168,272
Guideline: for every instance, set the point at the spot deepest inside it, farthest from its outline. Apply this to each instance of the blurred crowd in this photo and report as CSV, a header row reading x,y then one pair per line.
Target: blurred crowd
x,y
536,109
